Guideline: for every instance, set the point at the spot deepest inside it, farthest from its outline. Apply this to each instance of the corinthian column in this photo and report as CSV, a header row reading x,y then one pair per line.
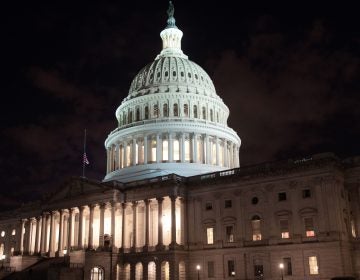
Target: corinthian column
x,y
61,236
147,231
160,245
173,222
91,230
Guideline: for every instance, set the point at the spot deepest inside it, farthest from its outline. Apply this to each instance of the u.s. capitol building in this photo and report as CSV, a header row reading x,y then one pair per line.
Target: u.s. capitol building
x,y
174,203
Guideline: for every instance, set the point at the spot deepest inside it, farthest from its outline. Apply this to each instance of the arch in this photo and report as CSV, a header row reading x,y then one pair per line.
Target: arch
x,y
139,271
97,273
182,270
151,271
165,270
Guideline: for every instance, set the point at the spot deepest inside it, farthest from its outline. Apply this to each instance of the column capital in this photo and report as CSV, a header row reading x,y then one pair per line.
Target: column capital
x,y
92,206
134,203
82,208
102,205
160,199
173,197
147,201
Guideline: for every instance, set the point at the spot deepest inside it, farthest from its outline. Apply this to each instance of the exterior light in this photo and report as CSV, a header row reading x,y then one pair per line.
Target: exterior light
x,y
198,271
281,266
64,251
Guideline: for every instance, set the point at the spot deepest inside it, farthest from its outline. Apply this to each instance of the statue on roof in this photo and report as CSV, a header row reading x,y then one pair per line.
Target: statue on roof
x,y
171,19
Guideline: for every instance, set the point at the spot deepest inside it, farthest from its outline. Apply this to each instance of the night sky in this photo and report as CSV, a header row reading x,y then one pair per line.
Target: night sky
x,y
288,73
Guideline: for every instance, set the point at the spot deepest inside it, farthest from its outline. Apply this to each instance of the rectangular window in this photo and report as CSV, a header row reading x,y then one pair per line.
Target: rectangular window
x,y
306,193
282,196
165,150
313,265
284,228
228,203
13,232
231,268
256,236
229,233
211,269
287,266
210,235
208,205
309,227
176,150
258,270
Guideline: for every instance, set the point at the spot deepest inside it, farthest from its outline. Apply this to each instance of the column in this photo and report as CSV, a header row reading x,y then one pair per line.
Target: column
x,y
38,235
117,156
231,156
237,158
125,154
43,234
101,234
107,160
158,148
113,208
134,208
173,222
22,245
207,148
183,230
160,245
91,230
81,218
145,149
182,147
171,148
61,236
70,229
194,153
123,206
217,150
28,232
134,159
51,248
226,163
147,229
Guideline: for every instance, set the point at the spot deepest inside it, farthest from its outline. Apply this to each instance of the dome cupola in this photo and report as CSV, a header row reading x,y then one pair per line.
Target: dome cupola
x,y
172,120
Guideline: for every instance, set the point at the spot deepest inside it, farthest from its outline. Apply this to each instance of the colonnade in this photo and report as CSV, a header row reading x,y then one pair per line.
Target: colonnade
x,y
150,224
172,147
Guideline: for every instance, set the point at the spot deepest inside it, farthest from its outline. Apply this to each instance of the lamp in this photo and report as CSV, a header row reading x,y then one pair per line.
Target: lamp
x,y
281,266
198,270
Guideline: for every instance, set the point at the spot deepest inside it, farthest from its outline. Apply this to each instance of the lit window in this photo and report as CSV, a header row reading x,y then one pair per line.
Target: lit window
x,y
97,273
187,149
210,235
176,149
165,150
229,233
231,268
208,205
309,227
2,233
12,251
153,150
282,196
284,228
13,232
256,228
313,265
228,203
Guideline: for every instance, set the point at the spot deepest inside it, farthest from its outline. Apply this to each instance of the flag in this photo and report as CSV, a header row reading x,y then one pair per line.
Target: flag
x,y
85,160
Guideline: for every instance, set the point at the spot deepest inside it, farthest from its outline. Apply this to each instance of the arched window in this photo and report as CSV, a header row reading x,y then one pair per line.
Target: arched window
x,y
204,113
151,271
156,111
165,271
256,228
186,110
165,110
137,117
126,273
139,271
146,113
182,271
97,273
195,111
176,110
211,115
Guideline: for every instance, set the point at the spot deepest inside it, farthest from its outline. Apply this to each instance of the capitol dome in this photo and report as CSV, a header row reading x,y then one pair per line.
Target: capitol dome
x,y
172,121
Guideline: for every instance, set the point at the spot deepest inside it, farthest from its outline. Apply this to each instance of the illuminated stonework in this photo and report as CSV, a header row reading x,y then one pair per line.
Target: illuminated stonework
x,y
172,121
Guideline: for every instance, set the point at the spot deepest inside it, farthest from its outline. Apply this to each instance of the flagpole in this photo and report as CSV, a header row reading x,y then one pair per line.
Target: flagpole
x,y
83,171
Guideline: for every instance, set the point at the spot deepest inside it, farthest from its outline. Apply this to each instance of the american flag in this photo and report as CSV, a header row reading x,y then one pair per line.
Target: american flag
x,y
85,160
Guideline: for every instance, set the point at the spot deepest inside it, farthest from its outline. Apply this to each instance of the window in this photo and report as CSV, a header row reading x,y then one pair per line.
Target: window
x,y
256,228
229,233
156,111
306,193
97,273
208,205
228,203
165,110
231,268
176,110
211,270
258,270
287,266
282,196
195,111
284,228
313,265
210,235
165,150
186,110
254,200
2,233
153,150
176,150
309,227
187,149
13,232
